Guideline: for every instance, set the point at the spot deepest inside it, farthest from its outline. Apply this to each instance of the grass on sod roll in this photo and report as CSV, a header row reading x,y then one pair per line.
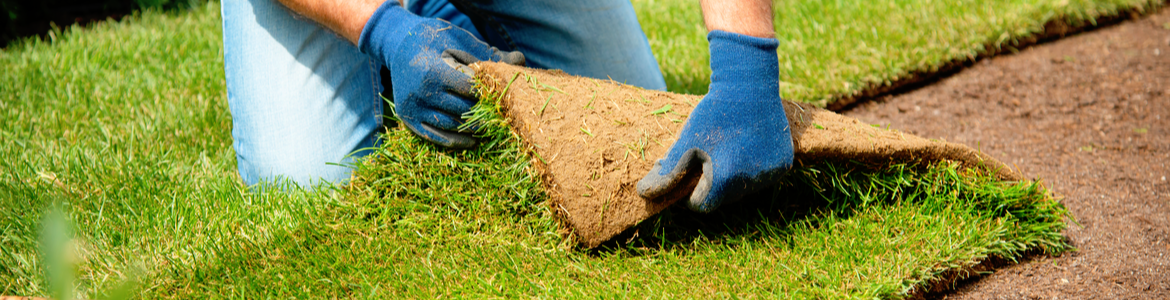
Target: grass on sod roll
x,y
123,127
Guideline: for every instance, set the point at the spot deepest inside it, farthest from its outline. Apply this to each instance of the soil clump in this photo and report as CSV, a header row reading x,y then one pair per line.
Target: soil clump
x,y
1091,115
594,139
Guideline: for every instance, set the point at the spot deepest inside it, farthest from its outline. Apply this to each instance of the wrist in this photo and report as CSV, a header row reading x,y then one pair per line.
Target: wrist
x,y
743,63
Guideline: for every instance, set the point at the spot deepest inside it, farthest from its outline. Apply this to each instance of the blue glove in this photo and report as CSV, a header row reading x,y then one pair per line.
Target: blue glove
x,y
738,132
429,74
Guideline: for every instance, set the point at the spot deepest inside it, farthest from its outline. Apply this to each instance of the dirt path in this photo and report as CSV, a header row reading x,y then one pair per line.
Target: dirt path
x,y
1090,116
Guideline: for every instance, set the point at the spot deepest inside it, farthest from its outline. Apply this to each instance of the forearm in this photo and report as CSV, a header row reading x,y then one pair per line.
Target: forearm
x,y
346,18
749,17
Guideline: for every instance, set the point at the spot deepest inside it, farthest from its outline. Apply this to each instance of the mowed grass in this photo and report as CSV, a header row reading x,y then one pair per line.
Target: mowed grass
x,y
832,49
124,128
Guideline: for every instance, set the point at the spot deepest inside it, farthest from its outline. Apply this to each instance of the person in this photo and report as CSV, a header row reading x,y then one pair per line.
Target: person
x,y
303,80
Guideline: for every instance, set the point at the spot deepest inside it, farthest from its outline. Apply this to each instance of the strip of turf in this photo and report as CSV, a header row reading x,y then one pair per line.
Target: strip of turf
x,y
125,127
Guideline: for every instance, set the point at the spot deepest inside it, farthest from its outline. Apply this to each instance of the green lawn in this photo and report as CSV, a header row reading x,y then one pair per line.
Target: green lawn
x,y
829,49
124,127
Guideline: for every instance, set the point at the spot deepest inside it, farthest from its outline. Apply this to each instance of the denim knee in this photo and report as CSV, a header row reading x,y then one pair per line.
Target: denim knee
x,y
302,98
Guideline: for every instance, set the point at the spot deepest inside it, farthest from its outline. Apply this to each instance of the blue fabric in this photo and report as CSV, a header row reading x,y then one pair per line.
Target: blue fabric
x,y
593,38
430,94
738,133
443,10
303,99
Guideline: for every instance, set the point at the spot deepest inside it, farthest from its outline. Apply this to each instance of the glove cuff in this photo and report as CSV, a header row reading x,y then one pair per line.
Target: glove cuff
x,y
385,30
742,63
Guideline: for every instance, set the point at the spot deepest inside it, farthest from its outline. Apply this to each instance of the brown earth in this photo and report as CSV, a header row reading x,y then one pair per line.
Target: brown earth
x,y
1090,115
594,139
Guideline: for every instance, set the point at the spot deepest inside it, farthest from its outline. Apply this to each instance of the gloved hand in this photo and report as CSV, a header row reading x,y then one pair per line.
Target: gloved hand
x,y
428,61
738,132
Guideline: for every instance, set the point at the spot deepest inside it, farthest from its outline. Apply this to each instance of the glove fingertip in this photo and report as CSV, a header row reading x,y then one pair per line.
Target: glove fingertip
x,y
514,58
653,185
701,199
661,181
461,142
441,137
451,139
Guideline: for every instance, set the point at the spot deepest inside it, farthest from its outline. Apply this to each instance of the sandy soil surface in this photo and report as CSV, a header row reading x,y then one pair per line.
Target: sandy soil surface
x,y
1090,116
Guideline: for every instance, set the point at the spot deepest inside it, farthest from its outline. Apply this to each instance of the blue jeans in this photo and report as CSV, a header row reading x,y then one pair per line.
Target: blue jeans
x,y
304,101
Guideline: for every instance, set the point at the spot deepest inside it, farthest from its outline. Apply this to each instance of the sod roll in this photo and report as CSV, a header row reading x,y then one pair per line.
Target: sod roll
x,y
592,140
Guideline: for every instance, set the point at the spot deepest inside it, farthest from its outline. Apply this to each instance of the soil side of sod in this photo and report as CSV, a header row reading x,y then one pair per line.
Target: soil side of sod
x,y
1090,114
593,140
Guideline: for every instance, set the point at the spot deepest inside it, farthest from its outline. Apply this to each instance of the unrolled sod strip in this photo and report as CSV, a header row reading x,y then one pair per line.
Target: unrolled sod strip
x,y
592,140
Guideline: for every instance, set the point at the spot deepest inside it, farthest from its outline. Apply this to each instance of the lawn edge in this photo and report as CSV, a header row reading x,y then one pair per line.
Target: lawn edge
x,y
1058,28
951,280
938,281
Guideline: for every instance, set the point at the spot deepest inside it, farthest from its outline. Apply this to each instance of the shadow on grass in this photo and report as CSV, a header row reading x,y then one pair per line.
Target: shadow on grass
x,y
678,226
805,195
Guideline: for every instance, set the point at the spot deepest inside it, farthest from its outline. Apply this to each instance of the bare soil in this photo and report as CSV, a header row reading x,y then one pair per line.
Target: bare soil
x,y
593,140
1090,116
